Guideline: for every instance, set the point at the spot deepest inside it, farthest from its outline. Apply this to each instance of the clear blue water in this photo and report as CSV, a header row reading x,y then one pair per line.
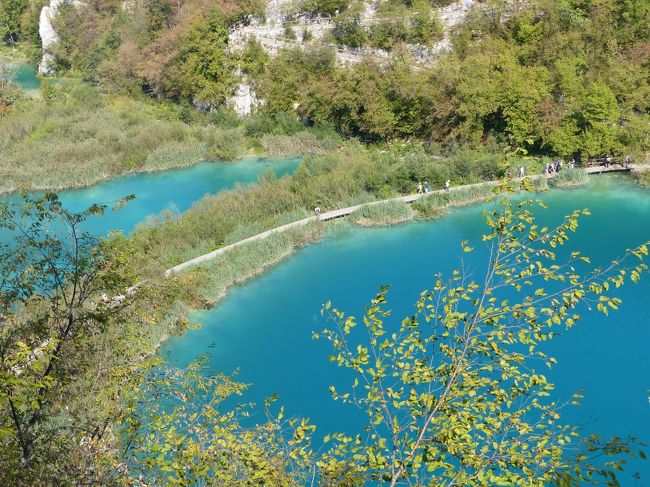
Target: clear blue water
x,y
23,74
263,329
173,190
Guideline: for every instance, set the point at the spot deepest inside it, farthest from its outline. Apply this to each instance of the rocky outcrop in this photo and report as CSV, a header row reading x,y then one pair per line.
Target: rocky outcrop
x,y
244,100
270,32
49,37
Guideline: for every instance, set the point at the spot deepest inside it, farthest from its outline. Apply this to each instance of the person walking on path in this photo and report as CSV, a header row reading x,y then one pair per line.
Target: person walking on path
x,y
420,190
522,172
448,185
317,211
427,188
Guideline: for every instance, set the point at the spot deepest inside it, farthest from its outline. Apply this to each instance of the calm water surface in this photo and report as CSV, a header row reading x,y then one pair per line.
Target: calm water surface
x,y
174,190
24,75
263,329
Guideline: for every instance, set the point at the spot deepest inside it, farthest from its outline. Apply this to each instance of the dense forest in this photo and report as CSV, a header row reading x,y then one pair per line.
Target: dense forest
x,y
145,85
567,78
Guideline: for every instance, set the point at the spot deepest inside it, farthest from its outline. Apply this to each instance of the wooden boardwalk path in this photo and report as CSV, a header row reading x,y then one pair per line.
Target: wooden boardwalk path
x,y
331,215
610,168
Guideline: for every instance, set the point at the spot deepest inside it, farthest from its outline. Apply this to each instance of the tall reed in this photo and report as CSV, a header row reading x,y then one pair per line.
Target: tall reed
x,y
381,214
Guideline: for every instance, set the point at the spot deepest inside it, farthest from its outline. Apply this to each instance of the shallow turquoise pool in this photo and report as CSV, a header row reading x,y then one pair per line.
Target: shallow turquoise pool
x,y
263,329
174,190
23,74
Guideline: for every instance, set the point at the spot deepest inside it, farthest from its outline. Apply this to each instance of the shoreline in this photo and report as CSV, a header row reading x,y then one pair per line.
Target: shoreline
x,y
464,200
205,262
308,234
79,186
310,230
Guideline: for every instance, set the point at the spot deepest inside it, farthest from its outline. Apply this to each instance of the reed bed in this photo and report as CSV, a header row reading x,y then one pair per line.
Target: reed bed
x,y
468,195
303,142
249,260
74,144
383,214
434,205
569,178
354,175
642,178
78,137
540,184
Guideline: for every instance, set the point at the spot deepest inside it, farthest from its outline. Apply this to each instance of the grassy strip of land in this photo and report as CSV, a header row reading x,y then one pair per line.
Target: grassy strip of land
x,y
244,261
248,261
382,214
433,206
76,137
353,175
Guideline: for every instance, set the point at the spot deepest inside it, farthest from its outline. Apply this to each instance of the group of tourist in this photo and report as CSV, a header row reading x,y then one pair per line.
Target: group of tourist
x,y
552,168
426,187
609,160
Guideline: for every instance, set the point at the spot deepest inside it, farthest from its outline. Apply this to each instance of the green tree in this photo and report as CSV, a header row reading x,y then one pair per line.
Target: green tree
x,y
10,14
455,394
202,70
253,59
348,30
50,313
597,120
522,93
181,433
599,106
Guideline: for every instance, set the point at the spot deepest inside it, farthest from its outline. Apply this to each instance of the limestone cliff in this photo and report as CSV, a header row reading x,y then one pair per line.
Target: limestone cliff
x,y
49,37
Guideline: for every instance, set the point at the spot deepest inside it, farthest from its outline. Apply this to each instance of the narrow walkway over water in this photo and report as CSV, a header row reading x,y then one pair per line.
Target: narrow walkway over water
x,y
330,215
612,168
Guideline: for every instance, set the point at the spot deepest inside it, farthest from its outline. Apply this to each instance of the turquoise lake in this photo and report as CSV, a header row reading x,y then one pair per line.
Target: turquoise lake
x,y
24,75
173,190
263,329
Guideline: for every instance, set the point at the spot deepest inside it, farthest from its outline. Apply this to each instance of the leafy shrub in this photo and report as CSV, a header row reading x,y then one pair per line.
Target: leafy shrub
x,y
348,31
227,144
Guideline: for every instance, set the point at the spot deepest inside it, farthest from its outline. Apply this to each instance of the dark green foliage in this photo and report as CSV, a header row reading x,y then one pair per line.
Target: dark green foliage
x,y
348,30
204,71
565,77
10,14
253,59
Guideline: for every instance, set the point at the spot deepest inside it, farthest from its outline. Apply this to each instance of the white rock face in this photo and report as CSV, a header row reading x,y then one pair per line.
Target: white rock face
x,y
269,32
49,37
244,99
